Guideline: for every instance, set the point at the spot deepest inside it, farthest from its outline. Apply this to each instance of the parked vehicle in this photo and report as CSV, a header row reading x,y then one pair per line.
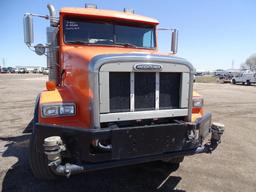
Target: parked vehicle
x,y
226,78
247,77
219,72
35,70
4,70
41,69
112,98
22,70
7,70
11,70
199,74
46,71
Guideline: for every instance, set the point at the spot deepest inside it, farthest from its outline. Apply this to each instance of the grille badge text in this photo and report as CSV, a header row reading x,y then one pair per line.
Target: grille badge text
x,y
147,67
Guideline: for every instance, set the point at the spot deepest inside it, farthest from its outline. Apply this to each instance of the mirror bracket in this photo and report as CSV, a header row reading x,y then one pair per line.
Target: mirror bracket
x,y
29,33
174,38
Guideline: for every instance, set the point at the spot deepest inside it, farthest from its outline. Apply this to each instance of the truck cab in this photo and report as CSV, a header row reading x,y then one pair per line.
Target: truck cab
x,y
112,98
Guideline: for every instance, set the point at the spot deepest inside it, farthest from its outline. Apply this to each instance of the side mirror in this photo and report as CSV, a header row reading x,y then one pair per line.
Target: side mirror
x,y
28,29
174,46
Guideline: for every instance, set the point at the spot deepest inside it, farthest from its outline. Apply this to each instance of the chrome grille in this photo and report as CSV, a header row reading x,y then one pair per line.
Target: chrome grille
x,y
119,91
142,91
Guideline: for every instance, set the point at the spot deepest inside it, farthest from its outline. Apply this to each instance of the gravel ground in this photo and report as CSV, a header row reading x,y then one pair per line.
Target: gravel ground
x,y
231,167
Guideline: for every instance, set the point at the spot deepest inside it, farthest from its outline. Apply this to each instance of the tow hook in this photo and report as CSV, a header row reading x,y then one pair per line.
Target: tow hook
x,y
53,146
217,130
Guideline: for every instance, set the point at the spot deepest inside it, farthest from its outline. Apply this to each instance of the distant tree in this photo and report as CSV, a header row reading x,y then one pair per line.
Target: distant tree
x,y
250,63
244,66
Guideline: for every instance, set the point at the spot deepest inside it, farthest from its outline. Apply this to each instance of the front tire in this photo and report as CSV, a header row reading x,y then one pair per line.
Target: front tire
x,y
248,82
38,161
174,162
233,81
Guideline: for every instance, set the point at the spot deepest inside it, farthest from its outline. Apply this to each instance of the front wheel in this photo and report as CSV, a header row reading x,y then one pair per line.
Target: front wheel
x,y
174,162
38,161
233,81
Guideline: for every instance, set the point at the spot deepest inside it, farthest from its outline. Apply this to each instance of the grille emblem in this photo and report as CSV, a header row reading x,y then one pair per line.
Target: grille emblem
x,y
147,67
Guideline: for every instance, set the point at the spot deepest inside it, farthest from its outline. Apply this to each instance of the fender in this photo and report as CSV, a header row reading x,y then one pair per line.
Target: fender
x,y
63,95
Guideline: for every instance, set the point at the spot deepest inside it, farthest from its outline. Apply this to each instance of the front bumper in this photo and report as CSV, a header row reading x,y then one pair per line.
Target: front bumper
x,y
130,145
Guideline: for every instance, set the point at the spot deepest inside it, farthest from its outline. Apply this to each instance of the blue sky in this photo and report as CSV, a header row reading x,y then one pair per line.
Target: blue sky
x,y
212,33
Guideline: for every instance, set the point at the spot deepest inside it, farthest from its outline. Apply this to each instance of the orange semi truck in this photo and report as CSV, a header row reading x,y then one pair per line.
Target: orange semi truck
x,y
112,98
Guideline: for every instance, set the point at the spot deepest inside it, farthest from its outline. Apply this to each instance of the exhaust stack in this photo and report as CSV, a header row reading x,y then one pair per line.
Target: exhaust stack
x,y
52,45
53,19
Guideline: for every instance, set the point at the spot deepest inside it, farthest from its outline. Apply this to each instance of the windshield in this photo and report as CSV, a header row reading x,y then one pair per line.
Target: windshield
x,y
106,33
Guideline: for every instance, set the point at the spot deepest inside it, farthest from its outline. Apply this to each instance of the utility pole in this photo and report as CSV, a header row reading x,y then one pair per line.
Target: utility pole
x,y
3,62
233,63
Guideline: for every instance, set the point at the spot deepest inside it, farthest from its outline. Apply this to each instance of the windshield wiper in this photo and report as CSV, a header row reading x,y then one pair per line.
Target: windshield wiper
x,y
126,44
78,42
86,43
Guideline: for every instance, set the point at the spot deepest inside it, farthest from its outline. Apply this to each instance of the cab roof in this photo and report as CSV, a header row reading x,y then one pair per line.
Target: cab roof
x,y
109,14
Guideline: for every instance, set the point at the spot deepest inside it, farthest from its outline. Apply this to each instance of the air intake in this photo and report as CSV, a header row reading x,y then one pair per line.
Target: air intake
x,y
92,6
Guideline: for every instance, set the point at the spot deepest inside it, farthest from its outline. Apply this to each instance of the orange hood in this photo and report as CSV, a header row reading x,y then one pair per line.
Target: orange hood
x,y
88,52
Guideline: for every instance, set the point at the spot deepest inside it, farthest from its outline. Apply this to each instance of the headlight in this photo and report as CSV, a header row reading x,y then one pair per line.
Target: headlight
x,y
67,110
57,110
198,102
50,111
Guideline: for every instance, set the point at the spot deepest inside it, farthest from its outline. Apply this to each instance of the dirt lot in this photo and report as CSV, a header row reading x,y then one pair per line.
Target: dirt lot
x,y
232,167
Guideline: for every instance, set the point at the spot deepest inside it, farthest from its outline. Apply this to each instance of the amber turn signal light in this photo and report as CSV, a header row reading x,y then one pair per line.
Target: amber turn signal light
x,y
50,85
